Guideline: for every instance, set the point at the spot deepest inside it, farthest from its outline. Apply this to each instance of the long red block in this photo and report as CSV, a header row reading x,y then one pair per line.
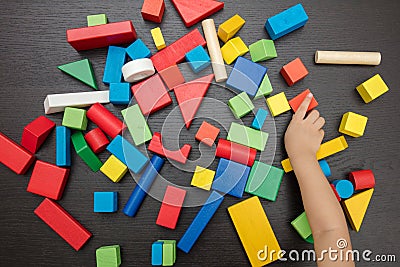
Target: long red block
x,y
171,207
63,223
362,179
36,132
153,10
294,71
180,155
102,35
296,101
235,152
106,121
14,156
97,140
193,11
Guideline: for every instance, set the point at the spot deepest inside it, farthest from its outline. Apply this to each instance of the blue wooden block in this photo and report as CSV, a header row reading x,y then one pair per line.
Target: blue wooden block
x,y
63,146
325,167
156,253
120,93
198,59
105,201
246,76
138,50
231,177
200,222
287,21
127,154
115,60
344,188
259,119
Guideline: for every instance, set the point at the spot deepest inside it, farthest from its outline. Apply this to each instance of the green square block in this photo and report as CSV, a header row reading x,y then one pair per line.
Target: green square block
x,y
137,125
85,153
247,136
75,118
169,252
108,256
264,180
302,226
262,50
265,88
98,19
240,105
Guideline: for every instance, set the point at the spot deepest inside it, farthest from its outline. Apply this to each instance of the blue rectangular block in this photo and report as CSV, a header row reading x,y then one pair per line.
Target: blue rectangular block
x,y
120,93
114,62
138,50
63,146
200,222
246,76
259,119
105,201
287,21
156,253
198,59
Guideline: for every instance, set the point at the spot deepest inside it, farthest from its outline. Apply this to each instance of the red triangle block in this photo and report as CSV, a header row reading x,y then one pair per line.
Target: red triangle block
x,y
193,11
190,95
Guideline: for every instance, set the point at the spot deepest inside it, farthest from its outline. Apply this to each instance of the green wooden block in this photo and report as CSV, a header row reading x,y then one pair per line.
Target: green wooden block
x,y
137,125
264,180
108,256
81,70
84,152
247,136
169,252
310,239
265,88
240,105
98,19
75,118
302,226
262,50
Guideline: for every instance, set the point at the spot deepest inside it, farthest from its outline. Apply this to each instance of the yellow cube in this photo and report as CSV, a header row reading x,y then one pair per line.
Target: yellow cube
x,y
114,169
372,88
203,178
278,104
158,38
230,27
353,124
233,49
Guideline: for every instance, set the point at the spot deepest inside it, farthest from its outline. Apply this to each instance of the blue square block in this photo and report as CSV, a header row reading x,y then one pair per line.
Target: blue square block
x,y
198,59
115,60
105,201
63,146
138,50
259,119
231,177
246,76
120,93
157,253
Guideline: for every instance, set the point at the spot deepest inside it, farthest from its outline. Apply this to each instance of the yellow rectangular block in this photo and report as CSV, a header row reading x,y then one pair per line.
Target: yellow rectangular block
x,y
114,169
255,231
372,88
278,104
230,27
158,38
233,49
353,124
203,178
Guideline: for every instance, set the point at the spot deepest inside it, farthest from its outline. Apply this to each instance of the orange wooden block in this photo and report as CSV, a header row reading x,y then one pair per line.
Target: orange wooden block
x,y
207,133
294,71
153,10
296,101
172,76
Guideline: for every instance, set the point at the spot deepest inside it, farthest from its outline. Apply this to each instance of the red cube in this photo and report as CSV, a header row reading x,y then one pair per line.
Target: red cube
x,y
294,71
207,133
36,132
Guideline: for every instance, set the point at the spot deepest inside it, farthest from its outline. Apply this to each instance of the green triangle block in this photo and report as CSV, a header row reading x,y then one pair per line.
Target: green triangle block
x,y
265,88
81,70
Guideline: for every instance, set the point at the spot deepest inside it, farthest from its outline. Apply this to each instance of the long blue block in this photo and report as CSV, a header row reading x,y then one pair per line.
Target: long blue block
x,y
138,50
157,253
63,146
105,201
200,222
127,154
325,167
344,188
143,186
115,60
259,119
120,93
246,76
287,21
198,59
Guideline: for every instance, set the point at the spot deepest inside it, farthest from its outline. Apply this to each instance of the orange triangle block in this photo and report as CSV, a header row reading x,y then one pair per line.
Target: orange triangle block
x,y
356,207
190,95
193,11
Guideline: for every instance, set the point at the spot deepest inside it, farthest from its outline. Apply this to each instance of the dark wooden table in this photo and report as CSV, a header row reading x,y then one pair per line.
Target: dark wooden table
x,y
32,45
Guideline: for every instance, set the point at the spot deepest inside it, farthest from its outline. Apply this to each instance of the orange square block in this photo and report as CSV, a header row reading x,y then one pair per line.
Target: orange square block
x,y
294,71
207,133
296,101
172,76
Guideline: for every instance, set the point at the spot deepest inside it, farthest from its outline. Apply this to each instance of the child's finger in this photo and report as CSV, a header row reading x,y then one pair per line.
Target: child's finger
x,y
302,110
313,116
319,123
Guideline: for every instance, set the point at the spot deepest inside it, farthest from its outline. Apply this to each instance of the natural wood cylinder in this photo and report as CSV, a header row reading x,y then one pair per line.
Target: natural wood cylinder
x,y
348,58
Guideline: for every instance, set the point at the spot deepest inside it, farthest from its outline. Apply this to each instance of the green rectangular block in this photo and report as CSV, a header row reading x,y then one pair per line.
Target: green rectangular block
x,y
302,226
169,252
262,50
98,19
265,88
137,125
108,256
247,136
240,105
75,118
85,153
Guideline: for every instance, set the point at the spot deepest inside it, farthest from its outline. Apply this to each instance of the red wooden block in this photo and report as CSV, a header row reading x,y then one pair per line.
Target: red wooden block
x,y
193,11
190,95
171,207
36,132
106,121
207,133
14,156
153,10
294,71
63,223
296,101
235,152
102,35
180,155
151,95
362,179
97,140
48,180
172,76
336,193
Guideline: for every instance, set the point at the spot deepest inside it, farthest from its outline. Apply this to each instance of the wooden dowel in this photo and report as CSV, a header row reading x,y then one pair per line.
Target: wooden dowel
x,y
348,57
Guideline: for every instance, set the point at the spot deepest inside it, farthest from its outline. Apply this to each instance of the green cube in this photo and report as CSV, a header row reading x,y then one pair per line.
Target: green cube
x,y
240,105
137,125
75,118
247,136
303,227
262,50
98,19
265,88
169,252
84,152
108,256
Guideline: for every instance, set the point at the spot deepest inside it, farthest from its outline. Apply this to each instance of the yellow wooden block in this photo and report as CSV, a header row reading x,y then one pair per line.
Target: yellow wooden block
x,y
233,49
158,38
372,88
255,231
114,169
353,124
278,104
203,178
356,207
230,27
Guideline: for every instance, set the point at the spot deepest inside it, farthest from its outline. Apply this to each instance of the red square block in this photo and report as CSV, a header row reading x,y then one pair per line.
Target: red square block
x,y
294,71
172,76
14,156
153,10
36,132
171,207
207,133
48,180
296,101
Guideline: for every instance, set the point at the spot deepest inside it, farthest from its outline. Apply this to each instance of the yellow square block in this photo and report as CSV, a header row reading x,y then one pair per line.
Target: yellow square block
x,y
278,104
230,27
233,49
372,88
158,38
353,124
203,178
114,169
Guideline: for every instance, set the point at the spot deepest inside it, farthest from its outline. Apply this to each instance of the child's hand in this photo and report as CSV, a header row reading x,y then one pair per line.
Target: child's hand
x,y
304,135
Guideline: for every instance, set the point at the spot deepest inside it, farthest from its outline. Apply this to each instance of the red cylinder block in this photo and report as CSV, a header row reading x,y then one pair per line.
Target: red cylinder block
x,y
106,121
336,193
362,179
236,152
97,140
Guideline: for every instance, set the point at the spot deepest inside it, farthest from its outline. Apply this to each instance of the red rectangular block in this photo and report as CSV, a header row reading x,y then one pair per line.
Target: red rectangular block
x,y
63,223
36,132
296,101
171,207
153,10
14,156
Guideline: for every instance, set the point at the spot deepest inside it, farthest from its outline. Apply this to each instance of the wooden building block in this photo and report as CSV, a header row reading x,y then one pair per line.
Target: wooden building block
x,y
302,226
114,169
372,88
36,132
171,207
356,207
168,252
296,101
325,167
254,230
207,133
105,201
63,223
192,11
158,38
153,10
344,188
63,146
137,125
180,155
240,105
203,178
81,70
362,179
84,152
353,124
198,59
157,253
137,70
116,58
138,50
108,256
262,50
278,104
172,76
14,156
294,71
259,119
75,118
247,136
96,140
98,19
235,152
265,88
230,27
106,121
120,93
233,49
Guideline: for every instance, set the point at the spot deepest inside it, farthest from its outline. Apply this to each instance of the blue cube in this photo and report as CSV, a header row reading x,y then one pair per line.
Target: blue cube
x,y
120,93
157,253
259,119
116,57
138,50
198,59
105,201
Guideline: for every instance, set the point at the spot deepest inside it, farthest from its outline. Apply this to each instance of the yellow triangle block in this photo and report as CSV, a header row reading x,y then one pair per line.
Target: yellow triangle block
x,y
356,207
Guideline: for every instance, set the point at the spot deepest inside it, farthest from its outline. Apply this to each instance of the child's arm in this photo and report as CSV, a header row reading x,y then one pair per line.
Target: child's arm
x,y
302,140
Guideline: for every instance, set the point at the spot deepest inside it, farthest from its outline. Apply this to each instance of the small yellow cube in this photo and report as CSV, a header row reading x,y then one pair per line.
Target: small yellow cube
x,y
278,104
233,49
158,38
203,178
114,169
353,124
230,27
372,88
